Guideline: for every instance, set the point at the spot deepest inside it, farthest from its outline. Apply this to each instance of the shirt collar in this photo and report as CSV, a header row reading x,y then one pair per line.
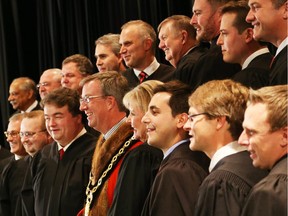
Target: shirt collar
x,y
33,105
114,128
229,149
82,132
282,46
254,55
171,149
150,69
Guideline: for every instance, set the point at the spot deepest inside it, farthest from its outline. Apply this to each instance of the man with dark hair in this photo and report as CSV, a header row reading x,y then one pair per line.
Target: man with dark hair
x,y
238,46
138,45
206,20
60,170
175,188
215,116
269,20
266,138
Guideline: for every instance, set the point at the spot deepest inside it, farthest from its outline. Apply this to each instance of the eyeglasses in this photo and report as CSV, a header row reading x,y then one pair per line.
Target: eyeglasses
x,y
190,117
11,133
30,134
87,99
42,84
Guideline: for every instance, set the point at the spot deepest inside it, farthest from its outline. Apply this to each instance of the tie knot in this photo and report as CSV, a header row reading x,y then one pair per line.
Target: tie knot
x,y
61,153
142,76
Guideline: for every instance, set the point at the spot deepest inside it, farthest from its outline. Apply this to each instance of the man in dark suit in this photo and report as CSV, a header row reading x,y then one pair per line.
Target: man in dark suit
x,y
218,107
206,20
178,41
138,44
271,26
60,170
175,188
238,46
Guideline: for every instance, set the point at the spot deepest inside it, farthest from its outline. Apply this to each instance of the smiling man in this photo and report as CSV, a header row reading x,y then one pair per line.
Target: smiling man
x,y
266,138
215,117
175,188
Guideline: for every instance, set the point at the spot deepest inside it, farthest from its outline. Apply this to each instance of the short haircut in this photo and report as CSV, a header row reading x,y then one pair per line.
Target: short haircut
x,y
215,4
275,98
179,92
37,114
111,40
141,94
26,84
62,97
84,64
179,23
278,3
16,117
112,84
144,29
240,9
222,98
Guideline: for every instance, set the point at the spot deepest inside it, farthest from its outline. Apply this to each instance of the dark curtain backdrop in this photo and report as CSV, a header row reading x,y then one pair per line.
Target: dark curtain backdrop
x,y
39,34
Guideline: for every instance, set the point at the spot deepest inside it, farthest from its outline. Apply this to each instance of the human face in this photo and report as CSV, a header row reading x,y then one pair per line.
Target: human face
x,y
71,76
96,109
266,20
133,47
265,147
106,59
197,127
205,20
160,124
62,126
18,97
232,52
171,43
16,146
47,83
134,118
37,141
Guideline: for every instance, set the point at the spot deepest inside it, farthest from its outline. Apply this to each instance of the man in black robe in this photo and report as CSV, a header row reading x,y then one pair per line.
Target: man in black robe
x,y
266,138
216,114
178,41
238,46
174,191
138,40
60,171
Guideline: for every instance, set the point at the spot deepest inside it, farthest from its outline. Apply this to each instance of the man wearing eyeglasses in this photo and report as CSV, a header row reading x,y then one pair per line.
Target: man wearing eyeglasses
x,y
61,169
215,117
12,169
49,80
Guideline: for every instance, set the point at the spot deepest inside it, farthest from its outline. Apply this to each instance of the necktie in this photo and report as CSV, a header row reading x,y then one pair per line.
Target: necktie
x,y
142,76
61,153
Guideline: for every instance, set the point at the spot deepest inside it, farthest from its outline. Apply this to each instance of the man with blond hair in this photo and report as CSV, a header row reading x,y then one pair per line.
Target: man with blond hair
x,y
266,138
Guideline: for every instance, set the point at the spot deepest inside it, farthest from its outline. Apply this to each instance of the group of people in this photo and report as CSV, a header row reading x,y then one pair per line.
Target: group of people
x,y
206,135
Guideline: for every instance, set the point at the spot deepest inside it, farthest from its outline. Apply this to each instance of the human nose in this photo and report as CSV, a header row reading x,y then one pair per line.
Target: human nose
x,y
99,61
220,40
122,50
83,106
145,119
161,44
243,139
193,20
249,17
187,126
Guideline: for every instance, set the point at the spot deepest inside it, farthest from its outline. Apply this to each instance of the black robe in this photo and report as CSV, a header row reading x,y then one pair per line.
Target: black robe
x,y
11,181
256,74
183,71
226,188
4,153
269,196
163,73
135,178
278,75
59,185
174,191
211,66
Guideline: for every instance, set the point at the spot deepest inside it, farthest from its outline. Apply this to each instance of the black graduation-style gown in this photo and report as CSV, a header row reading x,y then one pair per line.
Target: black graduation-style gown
x,y
278,75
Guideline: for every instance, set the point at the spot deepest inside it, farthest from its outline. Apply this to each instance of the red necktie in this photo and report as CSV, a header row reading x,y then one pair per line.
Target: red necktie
x,y
61,153
142,76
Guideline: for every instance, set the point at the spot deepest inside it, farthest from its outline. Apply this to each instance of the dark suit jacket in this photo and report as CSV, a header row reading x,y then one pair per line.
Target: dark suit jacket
x,y
278,75
163,73
211,66
175,188
256,74
4,153
183,71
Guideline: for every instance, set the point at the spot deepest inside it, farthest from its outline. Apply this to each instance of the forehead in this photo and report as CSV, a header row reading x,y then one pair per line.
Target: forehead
x,y
31,123
202,5
92,88
193,110
227,20
51,109
14,125
160,100
129,32
70,67
255,115
101,48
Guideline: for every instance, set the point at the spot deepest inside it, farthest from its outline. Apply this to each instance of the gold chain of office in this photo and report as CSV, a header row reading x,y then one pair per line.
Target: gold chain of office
x,y
90,192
